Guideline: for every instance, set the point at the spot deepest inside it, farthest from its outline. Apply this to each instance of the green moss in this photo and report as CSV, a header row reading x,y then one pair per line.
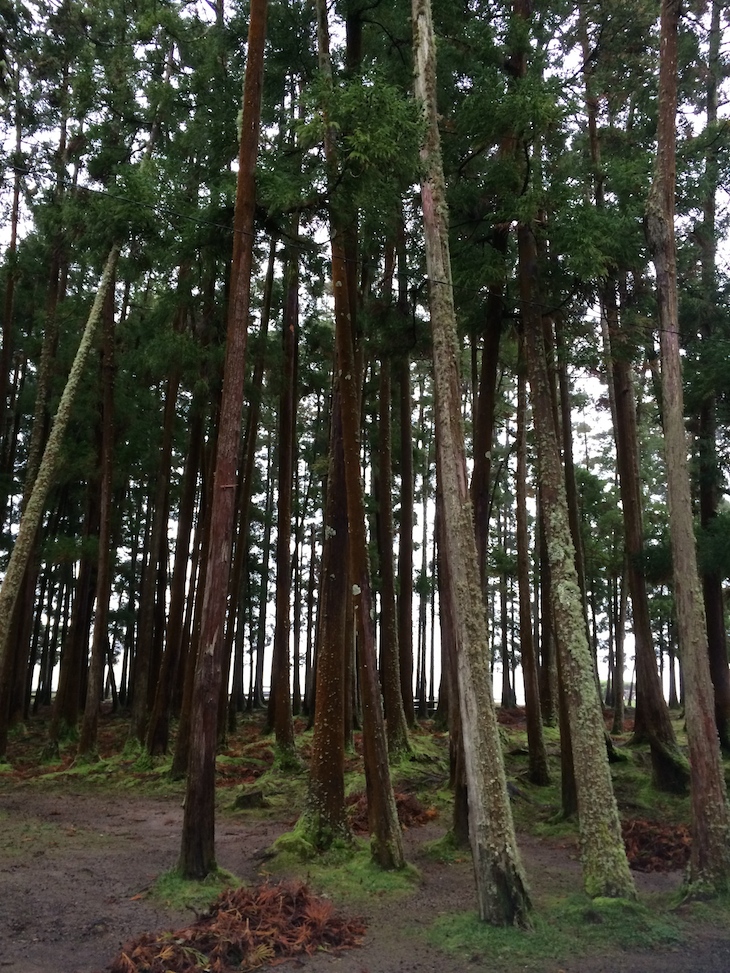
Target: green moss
x,y
346,869
574,927
179,893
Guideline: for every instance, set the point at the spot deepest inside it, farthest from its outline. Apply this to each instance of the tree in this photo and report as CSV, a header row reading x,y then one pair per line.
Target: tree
x,y
605,868
50,459
197,853
501,885
710,861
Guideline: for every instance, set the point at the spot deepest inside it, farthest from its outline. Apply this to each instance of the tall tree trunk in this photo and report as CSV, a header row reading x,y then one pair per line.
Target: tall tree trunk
x,y
88,738
385,833
605,867
669,768
710,859
143,661
158,727
709,472
197,853
324,814
405,541
281,663
501,885
539,773
389,651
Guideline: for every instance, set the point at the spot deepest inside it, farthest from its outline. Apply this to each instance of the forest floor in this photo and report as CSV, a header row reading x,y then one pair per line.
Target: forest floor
x,y
83,849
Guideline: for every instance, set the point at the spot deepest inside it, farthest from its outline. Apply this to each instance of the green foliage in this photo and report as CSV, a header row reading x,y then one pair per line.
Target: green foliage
x,y
378,131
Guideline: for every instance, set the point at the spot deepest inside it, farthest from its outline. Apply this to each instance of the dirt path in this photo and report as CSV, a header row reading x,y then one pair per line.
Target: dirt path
x,y
73,865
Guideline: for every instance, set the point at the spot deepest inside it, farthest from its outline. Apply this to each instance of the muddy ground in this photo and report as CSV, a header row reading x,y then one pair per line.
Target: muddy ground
x,y
75,868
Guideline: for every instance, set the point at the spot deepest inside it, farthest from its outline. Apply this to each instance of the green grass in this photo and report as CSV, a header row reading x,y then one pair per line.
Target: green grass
x,y
570,928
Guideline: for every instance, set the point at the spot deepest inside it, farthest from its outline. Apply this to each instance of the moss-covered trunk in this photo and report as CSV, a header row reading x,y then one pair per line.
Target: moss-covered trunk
x,y
605,867
501,885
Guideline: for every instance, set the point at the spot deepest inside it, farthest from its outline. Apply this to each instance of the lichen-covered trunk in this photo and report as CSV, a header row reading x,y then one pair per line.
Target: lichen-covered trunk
x,y
605,867
197,853
501,884
50,461
710,859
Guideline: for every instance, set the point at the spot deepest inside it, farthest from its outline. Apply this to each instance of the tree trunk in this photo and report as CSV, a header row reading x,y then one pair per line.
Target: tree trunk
x,y
539,773
281,663
88,738
501,885
397,728
605,867
709,475
324,815
50,461
385,831
197,853
710,861
405,543
669,768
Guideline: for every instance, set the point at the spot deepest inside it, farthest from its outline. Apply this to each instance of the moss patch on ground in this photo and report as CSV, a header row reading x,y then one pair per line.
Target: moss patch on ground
x,y
176,892
571,928
346,870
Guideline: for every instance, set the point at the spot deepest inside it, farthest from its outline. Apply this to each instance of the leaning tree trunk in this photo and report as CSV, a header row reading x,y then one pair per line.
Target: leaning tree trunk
x,y
710,861
197,853
501,884
50,461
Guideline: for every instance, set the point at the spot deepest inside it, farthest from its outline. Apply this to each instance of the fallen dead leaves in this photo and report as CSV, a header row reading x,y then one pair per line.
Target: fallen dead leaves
x,y
245,928
654,847
410,811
